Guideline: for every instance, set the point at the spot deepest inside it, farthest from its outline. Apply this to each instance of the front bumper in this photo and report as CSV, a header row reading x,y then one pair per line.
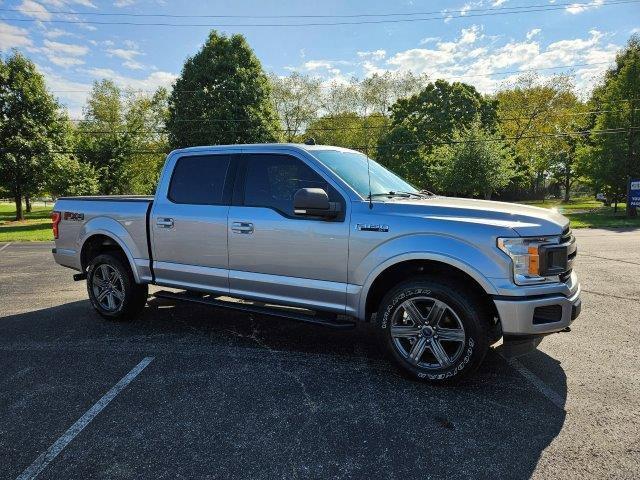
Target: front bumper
x,y
538,315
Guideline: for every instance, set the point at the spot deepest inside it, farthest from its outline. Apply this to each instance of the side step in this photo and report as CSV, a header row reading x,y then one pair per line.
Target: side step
x,y
327,320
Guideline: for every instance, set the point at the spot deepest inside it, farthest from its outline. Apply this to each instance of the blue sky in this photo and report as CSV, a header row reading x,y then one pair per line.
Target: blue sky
x,y
458,42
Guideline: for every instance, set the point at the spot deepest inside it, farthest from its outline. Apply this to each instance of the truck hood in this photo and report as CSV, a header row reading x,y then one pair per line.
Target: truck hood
x,y
525,220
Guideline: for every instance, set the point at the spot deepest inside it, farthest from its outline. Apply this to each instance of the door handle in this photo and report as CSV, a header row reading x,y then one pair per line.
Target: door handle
x,y
242,227
164,222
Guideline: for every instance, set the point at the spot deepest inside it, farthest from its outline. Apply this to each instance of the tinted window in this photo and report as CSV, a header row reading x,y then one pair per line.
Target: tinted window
x,y
199,179
272,181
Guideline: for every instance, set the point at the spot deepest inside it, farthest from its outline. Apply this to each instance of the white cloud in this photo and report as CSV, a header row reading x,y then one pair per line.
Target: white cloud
x,y
66,3
133,65
66,48
65,61
57,33
373,55
33,9
125,54
149,83
123,3
470,35
476,58
576,8
426,40
532,33
11,37
497,3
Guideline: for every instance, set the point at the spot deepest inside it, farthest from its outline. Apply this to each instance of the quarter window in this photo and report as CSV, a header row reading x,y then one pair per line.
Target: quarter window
x,y
199,180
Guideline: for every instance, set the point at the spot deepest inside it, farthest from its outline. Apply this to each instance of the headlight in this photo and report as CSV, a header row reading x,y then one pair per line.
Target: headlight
x,y
525,258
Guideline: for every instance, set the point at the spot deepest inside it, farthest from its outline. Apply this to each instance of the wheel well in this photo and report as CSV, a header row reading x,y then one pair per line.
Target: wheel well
x,y
97,245
411,268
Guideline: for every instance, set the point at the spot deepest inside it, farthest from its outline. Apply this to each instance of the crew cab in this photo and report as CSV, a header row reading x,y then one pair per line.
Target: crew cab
x,y
326,235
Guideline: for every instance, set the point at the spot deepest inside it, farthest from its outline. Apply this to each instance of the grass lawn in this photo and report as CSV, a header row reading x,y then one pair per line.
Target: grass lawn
x,y
36,226
589,213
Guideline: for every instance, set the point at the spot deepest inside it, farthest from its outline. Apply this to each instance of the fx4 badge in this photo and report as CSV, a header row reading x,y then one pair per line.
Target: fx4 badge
x,y
78,217
366,227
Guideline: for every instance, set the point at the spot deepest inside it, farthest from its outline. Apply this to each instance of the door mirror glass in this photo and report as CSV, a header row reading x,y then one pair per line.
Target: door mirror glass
x,y
314,202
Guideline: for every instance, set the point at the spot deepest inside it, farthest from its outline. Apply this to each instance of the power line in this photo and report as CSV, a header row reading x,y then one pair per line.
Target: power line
x,y
317,24
415,144
340,117
359,15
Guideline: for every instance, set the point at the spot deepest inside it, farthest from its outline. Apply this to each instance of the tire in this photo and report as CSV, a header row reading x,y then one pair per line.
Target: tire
x,y
124,298
448,341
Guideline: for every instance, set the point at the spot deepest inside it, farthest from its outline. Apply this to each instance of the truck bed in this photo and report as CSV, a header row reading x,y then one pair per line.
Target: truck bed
x,y
123,218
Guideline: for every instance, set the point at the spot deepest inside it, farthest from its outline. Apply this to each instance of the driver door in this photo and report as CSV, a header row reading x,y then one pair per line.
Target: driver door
x,y
276,256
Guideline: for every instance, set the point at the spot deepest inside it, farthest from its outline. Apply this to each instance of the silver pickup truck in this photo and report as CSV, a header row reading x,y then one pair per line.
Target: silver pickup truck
x,y
325,235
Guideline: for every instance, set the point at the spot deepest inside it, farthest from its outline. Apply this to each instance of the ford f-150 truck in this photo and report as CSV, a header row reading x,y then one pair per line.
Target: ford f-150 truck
x,y
326,235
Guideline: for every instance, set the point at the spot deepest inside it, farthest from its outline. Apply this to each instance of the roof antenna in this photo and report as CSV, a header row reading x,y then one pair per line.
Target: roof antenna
x,y
310,141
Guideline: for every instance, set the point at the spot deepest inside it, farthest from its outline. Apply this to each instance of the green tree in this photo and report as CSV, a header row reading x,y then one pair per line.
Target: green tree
x,y
297,99
222,97
67,176
611,155
122,137
533,115
474,163
349,130
32,127
429,118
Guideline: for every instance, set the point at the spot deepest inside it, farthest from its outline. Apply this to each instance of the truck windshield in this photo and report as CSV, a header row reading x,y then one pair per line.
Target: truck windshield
x,y
352,168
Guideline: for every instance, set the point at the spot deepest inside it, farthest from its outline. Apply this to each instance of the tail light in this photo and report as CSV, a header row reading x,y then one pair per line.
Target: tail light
x,y
55,220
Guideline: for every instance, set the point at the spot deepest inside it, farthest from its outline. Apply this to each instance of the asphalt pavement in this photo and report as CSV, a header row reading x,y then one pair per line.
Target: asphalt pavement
x,y
189,391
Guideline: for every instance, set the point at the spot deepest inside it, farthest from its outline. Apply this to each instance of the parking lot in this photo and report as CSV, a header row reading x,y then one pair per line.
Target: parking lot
x,y
230,395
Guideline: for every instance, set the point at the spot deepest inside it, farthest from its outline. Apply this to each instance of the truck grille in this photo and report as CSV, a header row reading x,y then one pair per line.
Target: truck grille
x,y
568,239
557,259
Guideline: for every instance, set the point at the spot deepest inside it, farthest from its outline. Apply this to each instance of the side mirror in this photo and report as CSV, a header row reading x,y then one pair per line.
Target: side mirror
x,y
314,202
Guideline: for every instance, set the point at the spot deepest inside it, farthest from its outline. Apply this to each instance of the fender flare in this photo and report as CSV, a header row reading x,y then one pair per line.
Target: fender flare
x,y
96,226
461,265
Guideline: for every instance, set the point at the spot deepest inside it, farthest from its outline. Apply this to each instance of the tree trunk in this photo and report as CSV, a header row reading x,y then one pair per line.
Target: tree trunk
x,y
27,201
487,195
567,185
19,212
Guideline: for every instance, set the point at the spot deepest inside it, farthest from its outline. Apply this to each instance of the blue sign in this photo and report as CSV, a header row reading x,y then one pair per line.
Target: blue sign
x,y
634,193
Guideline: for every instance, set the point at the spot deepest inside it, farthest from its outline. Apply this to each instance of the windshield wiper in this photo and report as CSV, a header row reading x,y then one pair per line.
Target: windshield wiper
x,y
398,194
389,194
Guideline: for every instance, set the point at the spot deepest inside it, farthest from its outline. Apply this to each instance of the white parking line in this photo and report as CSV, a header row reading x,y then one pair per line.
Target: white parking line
x,y
545,390
45,458
5,246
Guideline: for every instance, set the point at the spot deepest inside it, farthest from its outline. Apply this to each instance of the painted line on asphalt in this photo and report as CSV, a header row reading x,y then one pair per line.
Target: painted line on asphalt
x,y
40,463
5,246
543,388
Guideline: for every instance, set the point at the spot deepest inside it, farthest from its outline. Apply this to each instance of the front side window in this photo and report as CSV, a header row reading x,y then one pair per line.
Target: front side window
x,y
199,180
272,181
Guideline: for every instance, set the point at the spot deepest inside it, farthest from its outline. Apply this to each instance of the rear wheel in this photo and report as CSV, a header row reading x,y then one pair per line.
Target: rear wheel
x,y
435,331
112,289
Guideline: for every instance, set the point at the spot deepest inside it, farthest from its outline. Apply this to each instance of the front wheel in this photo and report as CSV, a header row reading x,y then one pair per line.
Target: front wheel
x,y
435,331
112,289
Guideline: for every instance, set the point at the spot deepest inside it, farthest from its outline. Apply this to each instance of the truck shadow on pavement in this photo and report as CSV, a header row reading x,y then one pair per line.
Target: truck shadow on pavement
x,y
230,395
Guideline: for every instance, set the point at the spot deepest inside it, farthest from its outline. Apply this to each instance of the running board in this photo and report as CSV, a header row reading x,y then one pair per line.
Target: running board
x,y
327,320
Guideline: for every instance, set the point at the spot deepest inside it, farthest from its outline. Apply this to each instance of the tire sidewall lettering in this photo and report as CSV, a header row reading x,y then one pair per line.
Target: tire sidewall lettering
x,y
385,323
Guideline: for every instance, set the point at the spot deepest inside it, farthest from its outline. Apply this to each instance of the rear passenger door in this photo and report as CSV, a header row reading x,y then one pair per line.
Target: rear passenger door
x,y
275,255
189,223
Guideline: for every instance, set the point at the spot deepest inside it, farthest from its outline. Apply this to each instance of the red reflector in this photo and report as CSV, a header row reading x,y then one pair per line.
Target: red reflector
x,y
55,220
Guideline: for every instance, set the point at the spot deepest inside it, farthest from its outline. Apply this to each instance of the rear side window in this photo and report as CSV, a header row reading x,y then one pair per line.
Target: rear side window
x,y
272,181
199,180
